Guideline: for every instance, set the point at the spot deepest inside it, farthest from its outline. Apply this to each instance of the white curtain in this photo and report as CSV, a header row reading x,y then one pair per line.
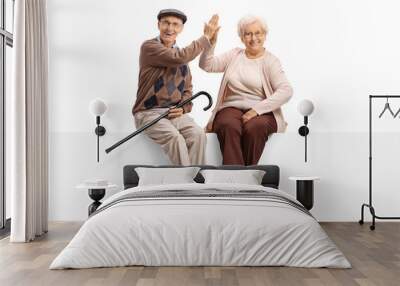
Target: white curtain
x,y
28,121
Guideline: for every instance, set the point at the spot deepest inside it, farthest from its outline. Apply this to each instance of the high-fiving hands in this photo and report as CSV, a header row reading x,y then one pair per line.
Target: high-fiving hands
x,y
211,29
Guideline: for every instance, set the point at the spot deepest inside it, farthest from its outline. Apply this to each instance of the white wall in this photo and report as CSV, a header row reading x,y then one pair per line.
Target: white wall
x,y
335,53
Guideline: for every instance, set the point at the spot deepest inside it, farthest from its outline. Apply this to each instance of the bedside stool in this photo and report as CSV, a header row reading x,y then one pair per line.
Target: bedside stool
x,y
96,193
305,190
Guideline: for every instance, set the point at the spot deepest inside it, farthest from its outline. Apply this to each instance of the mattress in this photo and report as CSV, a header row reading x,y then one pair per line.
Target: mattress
x,y
201,225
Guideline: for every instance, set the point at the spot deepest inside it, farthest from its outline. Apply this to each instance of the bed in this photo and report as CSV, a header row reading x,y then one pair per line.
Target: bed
x,y
201,224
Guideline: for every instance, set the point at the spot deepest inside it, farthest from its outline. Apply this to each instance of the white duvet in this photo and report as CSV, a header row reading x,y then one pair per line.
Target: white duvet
x,y
200,231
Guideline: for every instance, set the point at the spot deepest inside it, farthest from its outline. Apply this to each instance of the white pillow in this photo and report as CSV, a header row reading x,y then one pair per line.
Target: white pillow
x,y
248,177
163,176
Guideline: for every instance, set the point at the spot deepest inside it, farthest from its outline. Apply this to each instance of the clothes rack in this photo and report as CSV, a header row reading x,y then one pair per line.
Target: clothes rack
x,y
370,204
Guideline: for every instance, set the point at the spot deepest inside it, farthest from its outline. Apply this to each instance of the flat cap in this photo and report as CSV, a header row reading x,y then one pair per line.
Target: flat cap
x,y
172,12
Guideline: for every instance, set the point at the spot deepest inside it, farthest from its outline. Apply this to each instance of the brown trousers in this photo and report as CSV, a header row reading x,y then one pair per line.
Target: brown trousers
x,y
242,144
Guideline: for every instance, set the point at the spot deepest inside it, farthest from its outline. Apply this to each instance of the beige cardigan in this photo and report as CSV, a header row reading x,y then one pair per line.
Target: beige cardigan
x,y
277,89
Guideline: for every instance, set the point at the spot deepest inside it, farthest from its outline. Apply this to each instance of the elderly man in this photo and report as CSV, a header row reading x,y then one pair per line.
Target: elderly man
x,y
164,81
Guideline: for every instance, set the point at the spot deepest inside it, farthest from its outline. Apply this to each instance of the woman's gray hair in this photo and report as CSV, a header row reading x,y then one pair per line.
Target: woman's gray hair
x,y
250,19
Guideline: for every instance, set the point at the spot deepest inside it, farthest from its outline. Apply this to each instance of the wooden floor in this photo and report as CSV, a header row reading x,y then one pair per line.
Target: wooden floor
x,y
374,255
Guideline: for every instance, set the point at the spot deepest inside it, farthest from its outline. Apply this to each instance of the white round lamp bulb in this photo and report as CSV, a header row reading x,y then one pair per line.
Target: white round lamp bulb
x,y
305,107
97,107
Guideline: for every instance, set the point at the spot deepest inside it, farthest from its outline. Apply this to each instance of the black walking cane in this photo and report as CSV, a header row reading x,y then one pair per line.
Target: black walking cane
x,y
165,114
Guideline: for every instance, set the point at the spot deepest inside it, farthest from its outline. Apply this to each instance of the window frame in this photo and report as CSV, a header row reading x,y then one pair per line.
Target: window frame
x,y
6,39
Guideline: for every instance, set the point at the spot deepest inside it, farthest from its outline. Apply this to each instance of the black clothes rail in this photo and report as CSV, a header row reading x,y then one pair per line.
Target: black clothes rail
x,y
370,205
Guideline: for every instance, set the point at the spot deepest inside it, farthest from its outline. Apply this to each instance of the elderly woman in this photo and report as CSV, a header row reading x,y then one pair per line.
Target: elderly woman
x,y
253,89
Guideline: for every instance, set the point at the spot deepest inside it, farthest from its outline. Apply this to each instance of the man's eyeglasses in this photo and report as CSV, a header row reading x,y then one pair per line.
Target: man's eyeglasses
x,y
258,34
174,25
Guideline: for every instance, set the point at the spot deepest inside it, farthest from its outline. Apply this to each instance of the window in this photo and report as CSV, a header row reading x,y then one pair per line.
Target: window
x,y
6,44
